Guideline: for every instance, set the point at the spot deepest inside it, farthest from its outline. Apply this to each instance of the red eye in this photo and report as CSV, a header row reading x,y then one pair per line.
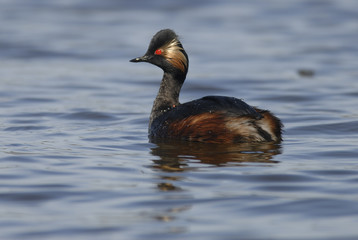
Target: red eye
x,y
158,52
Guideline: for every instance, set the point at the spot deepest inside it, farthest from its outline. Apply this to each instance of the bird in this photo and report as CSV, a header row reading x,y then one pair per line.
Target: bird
x,y
210,119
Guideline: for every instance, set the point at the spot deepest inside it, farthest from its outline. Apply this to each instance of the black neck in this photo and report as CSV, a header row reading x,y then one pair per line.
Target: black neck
x,y
168,95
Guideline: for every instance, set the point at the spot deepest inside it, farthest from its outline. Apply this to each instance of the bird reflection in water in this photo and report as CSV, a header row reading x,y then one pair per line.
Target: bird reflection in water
x,y
177,156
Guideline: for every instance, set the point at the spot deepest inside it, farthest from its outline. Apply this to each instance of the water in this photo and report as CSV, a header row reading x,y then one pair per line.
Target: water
x,y
75,161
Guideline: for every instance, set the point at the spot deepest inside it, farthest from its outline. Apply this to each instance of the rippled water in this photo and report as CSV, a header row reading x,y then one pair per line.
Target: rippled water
x,y
75,161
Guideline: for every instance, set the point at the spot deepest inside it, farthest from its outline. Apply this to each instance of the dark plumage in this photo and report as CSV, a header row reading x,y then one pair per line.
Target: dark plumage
x,y
214,119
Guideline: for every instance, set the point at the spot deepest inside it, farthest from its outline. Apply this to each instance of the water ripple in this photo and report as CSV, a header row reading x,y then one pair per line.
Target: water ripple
x,y
350,127
26,128
89,115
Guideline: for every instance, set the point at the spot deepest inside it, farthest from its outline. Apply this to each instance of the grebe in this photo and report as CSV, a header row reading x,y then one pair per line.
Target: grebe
x,y
214,119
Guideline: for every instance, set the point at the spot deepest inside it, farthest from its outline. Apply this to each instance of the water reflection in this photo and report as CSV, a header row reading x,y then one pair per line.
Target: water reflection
x,y
177,156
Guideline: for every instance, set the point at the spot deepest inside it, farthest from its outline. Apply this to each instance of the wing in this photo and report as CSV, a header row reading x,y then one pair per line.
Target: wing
x,y
212,104
204,109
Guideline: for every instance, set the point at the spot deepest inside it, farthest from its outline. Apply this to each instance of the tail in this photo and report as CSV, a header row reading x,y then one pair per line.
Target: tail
x,y
270,124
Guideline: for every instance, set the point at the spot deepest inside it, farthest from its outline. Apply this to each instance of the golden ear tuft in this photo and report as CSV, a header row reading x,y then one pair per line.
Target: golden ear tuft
x,y
173,52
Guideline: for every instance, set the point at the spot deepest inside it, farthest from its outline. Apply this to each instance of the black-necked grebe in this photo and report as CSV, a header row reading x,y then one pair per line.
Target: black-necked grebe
x,y
214,119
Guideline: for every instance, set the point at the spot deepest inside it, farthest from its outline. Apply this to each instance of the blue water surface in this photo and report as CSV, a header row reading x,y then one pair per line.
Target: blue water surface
x,y
75,161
